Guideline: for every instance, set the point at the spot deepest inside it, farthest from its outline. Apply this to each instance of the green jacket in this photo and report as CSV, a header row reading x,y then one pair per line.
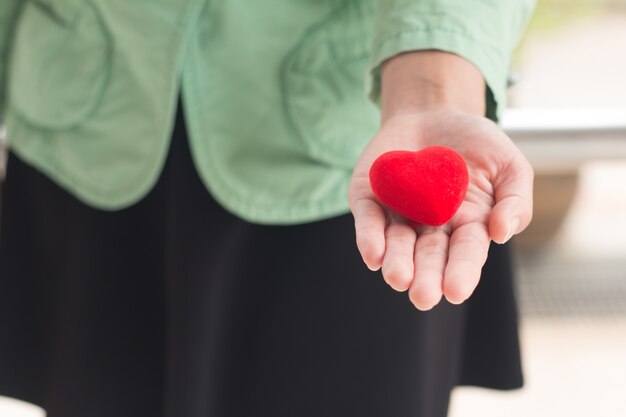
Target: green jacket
x,y
275,92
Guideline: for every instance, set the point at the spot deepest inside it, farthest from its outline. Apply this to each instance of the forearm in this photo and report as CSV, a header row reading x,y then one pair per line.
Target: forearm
x,y
483,32
429,80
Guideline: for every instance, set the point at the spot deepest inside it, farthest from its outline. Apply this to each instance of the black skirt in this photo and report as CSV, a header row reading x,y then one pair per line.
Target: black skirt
x,y
176,308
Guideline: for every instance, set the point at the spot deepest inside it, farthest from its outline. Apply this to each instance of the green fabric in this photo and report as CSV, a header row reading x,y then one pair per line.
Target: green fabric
x,y
9,10
274,91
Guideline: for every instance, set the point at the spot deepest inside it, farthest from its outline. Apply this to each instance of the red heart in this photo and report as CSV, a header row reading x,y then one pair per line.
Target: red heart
x,y
426,186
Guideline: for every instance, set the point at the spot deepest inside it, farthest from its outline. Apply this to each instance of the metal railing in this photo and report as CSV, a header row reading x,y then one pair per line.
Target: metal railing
x,y
563,139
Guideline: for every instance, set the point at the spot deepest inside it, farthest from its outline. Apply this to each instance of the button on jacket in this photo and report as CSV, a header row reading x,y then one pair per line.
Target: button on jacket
x,y
279,95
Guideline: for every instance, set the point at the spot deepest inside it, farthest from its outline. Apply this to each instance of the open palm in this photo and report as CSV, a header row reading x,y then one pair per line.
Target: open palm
x,y
445,260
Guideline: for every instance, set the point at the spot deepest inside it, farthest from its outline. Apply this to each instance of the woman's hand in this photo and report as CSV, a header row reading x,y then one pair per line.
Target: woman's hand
x,y
447,260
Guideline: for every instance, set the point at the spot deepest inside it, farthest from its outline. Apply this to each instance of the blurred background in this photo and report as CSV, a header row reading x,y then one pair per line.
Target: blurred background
x,y
568,115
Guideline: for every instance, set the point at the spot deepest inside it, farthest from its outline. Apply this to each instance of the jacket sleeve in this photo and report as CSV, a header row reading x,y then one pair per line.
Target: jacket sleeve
x,y
484,32
9,10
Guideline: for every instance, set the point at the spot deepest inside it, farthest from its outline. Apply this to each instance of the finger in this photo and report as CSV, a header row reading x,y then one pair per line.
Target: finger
x,y
369,225
469,245
514,201
431,254
398,261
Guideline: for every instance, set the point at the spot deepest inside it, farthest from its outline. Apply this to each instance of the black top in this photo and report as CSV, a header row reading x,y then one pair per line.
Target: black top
x,y
176,308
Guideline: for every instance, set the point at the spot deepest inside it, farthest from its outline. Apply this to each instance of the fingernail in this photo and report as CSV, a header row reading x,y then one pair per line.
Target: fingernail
x,y
371,267
513,225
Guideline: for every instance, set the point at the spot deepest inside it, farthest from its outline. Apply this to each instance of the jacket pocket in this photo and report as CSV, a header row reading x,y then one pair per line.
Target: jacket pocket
x,y
60,64
324,86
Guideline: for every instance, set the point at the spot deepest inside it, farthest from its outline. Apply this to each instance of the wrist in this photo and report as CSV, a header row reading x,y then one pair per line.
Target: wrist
x,y
415,82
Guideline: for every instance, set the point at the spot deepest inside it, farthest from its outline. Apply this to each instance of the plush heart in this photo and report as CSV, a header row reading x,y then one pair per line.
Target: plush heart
x,y
426,186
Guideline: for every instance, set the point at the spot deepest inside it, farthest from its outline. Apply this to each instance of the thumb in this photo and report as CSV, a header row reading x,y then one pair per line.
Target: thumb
x,y
513,209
